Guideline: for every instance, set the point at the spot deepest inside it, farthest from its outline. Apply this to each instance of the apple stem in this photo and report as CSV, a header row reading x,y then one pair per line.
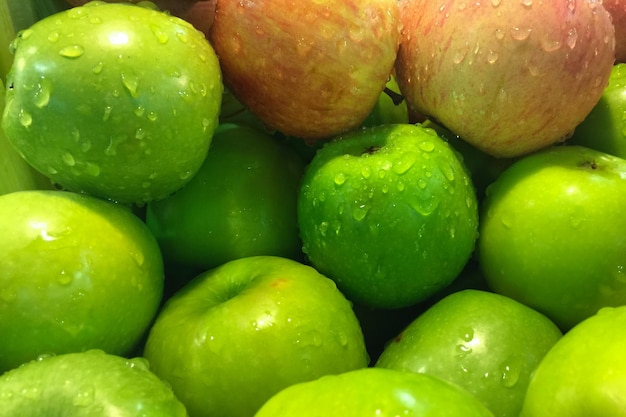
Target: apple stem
x,y
395,97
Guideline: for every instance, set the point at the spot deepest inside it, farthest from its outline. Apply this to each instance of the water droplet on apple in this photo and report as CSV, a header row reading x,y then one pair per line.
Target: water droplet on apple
x,y
425,207
85,397
92,169
42,93
138,363
131,83
366,171
53,37
496,3
340,178
161,36
527,3
72,51
404,163
427,145
25,118
520,34
572,38
68,159
492,57
468,334
44,356
323,228
64,278
511,371
152,116
359,212
114,142
550,45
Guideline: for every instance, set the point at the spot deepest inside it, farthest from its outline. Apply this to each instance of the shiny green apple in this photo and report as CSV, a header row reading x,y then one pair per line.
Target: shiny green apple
x,y
116,100
487,343
552,233
239,333
584,374
242,202
86,384
76,273
374,392
389,213
604,128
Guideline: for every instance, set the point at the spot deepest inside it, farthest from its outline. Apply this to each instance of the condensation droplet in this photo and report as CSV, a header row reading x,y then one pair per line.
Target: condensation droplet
x,y
572,38
131,83
68,159
97,69
161,36
340,178
54,36
72,51
25,118
359,212
520,34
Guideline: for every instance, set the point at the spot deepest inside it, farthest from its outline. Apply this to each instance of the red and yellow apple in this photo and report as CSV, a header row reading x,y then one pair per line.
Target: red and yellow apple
x,y
508,77
310,69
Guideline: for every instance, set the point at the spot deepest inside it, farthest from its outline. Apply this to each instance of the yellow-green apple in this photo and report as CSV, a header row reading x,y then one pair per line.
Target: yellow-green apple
x,y
310,69
482,68
604,128
134,120
617,10
551,233
388,212
584,374
374,392
86,384
487,343
76,273
237,334
199,13
241,202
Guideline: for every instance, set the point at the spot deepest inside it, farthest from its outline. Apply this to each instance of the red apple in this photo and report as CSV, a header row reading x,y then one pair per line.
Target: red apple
x,y
617,10
310,69
509,77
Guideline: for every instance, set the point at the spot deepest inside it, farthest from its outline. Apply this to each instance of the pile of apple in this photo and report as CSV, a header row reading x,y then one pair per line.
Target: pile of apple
x,y
254,208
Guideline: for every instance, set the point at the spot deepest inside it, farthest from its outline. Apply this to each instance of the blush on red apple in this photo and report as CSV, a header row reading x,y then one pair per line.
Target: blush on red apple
x,y
617,10
509,77
310,69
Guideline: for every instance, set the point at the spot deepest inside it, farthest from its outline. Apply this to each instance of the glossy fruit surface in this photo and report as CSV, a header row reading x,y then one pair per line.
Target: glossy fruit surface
x,y
86,384
487,343
98,100
552,233
389,213
239,333
76,273
374,392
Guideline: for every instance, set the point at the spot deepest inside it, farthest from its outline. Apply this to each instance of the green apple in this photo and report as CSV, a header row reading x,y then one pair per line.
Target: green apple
x,y
487,343
604,128
15,173
481,68
239,333
76,272
86,384
390,107
552,233
374,392
134,120
584,374
242,202
389,213
310,69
